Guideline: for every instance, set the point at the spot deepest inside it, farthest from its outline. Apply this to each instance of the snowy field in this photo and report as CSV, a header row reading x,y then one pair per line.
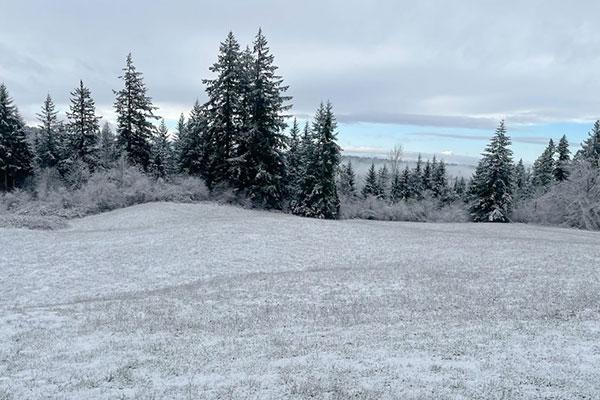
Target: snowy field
x,y
204,301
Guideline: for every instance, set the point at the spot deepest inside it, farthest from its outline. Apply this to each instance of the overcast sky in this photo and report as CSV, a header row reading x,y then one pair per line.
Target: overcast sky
x,y
435,76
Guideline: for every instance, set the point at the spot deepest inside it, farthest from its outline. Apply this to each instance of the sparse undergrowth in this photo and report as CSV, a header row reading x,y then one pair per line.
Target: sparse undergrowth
x,y
50,203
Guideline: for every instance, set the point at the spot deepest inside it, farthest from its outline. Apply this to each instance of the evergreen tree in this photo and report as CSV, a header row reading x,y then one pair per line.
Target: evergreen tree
x,y
224,110
161,163
347,182
370,187
383,178
398,185
263,162
561,167
427,177
590,148
405,184
179,141
439,180
543,168
194,155
134,111
416,185
48,143
319,197
460,187
294,161
492,184
83,127
107,153
522,182
16,157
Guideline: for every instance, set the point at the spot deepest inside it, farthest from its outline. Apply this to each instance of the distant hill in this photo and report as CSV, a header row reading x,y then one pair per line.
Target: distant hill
x,y
457,166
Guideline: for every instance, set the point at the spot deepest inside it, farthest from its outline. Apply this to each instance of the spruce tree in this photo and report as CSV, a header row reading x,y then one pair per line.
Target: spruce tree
x,y
194,156
347,181
427,177
83,127
294,161
161,162
590,148
16,157
224,110
439,180
405,184
107,154
522,182
179,141
370,186
416,185
543,168
263,162
492,184
134,114
398,186
561,167
383,178
460,187
48,142
319,197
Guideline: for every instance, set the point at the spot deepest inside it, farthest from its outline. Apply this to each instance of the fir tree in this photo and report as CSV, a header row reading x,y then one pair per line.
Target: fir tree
x,y
224,109
16,157
134,111
427,177
398,186
319,197
161,163
107,153
383,178
263,162
439,180
561,167
460,187
83,127
179,141
294,161
543,168
347,181
492,184
194,155
370,186
48,143
590,148
416,185
522,182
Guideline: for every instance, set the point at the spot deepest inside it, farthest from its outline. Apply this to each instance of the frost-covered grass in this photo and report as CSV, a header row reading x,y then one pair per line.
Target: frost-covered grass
x,y
194,301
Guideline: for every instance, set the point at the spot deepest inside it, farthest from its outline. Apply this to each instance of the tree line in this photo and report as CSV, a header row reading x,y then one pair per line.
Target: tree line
x,y
236,140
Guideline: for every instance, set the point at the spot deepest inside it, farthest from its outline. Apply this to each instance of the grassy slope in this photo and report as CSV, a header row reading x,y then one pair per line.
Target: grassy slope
x,y
207,301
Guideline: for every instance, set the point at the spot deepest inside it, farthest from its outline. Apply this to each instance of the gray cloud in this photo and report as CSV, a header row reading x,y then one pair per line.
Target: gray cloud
x,y
431,63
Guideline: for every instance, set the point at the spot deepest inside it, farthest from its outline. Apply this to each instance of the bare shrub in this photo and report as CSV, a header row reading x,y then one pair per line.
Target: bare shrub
x,y
573,203
427,210
104,190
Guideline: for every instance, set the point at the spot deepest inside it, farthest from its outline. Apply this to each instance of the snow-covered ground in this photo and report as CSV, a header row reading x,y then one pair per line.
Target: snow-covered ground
x,y
206,301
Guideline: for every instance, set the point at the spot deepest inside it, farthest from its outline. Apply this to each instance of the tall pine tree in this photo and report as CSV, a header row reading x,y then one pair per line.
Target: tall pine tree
x,y
48,142
492,184
319,197
263,161
83,127
370,187
134,114
224,110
